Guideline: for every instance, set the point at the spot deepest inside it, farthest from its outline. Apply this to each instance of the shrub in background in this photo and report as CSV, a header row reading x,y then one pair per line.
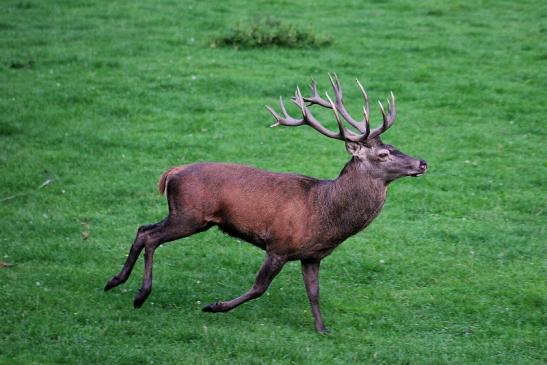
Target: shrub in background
x,y
268,32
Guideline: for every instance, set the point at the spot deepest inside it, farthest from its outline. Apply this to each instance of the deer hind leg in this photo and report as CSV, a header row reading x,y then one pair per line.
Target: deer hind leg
x,y
174,227
146,286
132,257
149,237
270,268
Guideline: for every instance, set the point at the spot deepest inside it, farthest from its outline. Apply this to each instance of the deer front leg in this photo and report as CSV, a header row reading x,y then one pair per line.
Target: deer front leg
x,y
270,268
310,271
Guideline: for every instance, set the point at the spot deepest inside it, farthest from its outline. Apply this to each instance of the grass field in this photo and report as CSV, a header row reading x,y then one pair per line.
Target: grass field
x,y
99,98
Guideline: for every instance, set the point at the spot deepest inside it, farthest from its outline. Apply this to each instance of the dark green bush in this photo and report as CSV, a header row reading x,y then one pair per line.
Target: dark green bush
x,y
22,63
268,32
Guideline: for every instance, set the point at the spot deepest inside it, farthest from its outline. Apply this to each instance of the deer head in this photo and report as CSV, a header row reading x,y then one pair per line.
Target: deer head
x,y
371,155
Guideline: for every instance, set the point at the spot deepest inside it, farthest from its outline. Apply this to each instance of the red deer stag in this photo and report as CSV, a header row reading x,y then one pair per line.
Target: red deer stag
x,y
290,216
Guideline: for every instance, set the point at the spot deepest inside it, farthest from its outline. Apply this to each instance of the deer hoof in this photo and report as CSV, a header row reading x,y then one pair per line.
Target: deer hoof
x,y
323,331
140,298
215,307
112,283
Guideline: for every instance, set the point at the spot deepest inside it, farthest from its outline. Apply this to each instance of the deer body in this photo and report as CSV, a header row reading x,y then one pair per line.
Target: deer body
x,y
291,217
300,217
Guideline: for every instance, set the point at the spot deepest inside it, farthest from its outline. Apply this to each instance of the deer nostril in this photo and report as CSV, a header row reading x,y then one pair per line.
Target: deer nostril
x,y
423,165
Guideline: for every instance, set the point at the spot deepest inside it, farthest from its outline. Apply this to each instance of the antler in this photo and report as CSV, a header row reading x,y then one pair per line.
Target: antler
x,y
338,107
307,118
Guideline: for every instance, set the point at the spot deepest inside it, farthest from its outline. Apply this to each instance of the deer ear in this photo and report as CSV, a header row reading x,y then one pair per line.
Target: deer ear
x,y
353,148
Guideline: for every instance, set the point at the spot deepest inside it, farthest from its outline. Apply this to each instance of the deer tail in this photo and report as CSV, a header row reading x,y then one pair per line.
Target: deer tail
x,y
162,183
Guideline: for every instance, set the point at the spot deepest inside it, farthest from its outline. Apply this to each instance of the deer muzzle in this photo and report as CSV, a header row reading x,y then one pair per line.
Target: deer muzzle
x,y
422,168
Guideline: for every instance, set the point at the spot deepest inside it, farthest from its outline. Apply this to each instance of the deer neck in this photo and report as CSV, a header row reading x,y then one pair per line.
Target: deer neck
x,y
350,202
358,190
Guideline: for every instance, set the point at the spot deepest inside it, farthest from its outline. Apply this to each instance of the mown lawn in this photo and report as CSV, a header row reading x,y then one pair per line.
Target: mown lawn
x,y
99,98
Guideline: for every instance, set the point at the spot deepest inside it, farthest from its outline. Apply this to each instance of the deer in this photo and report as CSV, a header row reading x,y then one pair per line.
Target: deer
x,y
289,216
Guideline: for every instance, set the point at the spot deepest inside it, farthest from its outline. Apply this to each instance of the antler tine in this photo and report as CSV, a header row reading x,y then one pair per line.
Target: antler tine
x,y
387,119
336,116
393,106
299,100
276,116
286,120
384,117
366,108
313,88
315,98
282,106
337,88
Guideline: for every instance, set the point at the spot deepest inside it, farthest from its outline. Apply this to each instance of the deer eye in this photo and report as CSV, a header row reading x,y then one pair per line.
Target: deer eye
x,y
383,154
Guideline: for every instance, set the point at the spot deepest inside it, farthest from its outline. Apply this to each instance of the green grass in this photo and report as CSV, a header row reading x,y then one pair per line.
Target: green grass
x,y
102,97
